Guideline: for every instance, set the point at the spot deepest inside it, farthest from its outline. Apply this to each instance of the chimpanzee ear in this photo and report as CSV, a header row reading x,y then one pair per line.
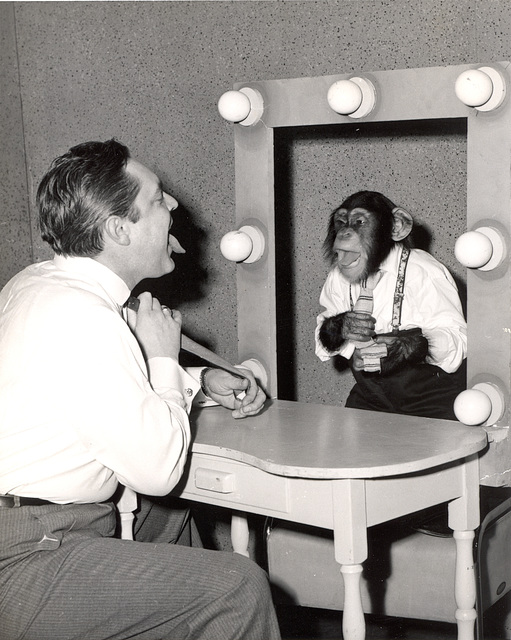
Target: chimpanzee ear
x,y
402,224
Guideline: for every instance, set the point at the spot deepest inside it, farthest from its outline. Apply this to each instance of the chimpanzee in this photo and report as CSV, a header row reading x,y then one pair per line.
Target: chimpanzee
x,y
393,311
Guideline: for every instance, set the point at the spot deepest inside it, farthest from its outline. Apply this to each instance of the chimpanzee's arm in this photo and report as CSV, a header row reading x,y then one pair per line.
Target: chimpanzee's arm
x,y
409,347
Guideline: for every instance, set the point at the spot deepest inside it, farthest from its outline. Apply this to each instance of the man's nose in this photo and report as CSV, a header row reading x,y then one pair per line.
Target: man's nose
x,y
171,202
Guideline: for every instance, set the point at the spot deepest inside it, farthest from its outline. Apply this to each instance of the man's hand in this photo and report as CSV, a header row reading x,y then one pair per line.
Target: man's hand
x,y
157,328
225,388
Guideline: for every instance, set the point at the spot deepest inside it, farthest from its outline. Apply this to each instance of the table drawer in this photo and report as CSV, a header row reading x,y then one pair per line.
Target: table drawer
x,y
233,483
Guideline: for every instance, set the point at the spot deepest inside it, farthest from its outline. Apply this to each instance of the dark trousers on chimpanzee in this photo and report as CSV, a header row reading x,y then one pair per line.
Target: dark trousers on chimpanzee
x,y
64,577
417,390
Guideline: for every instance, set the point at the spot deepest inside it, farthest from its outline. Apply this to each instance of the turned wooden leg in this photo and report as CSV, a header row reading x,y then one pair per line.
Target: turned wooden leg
x,y
350,543
465,585
353,623
463,520
240,533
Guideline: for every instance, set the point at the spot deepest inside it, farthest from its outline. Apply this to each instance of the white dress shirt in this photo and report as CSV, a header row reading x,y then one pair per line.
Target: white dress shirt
x,y
80,410
431,302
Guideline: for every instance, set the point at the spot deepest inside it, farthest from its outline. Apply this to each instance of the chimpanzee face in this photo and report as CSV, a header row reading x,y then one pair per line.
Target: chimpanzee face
x,y
363,231
362,242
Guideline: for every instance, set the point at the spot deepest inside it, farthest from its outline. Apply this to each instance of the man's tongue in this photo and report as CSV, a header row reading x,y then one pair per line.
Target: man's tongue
x,y
174,245
345,258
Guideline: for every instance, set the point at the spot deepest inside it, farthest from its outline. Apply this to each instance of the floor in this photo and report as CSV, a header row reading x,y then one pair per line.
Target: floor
x,y
301,623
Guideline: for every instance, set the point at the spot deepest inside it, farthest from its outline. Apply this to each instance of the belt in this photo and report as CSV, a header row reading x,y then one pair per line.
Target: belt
x,y
8,502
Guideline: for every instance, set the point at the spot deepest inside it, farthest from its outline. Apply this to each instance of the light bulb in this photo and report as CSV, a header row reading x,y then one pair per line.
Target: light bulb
x,y
483,248
246,244
472,407
473,249
344,97
245,106
474,87
483,404
234,106
258,370
236,246
483,89
355,97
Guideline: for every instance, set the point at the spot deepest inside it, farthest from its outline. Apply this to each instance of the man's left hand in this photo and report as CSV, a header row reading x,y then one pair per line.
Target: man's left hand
x,y
225,388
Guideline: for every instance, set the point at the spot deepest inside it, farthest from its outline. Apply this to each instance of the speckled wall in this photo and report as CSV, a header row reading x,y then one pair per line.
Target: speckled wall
x,y
15,232
150,74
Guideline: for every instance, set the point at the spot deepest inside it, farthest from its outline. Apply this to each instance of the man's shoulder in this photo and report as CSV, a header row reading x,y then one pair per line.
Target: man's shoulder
x,y
50,289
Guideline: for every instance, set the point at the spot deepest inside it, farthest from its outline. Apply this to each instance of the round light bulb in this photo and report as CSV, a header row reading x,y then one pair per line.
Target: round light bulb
x,y
473,249
344,97
472,407
258,370
234,106
236,246
483,248
474,87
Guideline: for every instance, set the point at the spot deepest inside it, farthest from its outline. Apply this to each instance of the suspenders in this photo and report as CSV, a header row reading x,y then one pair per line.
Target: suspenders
x,y
398,292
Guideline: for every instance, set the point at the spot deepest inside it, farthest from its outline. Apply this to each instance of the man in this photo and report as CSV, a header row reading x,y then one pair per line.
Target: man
x,y
88,401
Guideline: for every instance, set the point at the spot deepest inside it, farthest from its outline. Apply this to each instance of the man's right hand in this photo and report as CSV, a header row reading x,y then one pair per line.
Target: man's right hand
x,y
157,328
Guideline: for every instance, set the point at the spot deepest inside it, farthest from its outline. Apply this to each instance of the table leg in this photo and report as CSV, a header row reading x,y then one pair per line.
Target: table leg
x,y
353,623
465,585
239,533
350,542
463,520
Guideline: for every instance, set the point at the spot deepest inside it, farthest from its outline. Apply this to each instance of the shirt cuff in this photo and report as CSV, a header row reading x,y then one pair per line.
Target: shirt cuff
x,y
200,399
168,377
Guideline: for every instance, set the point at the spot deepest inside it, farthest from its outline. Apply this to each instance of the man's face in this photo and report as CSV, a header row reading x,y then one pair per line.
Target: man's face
x,y
151,242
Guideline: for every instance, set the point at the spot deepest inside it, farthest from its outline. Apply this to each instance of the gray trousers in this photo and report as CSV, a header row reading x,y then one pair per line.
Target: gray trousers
x,y
63,576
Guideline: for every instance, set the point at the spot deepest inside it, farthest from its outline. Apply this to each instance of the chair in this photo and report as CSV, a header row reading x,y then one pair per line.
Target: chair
x,y
408,574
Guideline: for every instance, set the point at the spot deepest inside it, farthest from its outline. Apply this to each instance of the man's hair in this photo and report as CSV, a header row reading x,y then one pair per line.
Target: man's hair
x,y
83,188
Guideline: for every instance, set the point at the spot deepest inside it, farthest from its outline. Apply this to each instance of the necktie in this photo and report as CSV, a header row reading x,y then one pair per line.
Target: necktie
x,y
370,351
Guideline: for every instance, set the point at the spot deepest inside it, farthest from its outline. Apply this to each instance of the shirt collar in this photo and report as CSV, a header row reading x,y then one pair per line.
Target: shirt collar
x,y
114,286
391,262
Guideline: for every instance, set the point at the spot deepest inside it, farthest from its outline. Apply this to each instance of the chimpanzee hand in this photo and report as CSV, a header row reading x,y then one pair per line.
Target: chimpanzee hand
x,y
350,325
405,347
357,361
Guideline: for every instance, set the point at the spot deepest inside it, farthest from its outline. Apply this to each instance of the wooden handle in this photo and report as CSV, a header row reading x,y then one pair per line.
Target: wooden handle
x,y
195,348
209,356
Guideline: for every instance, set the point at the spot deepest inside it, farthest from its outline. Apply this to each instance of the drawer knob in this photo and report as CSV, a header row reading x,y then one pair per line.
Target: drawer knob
x,y
211,480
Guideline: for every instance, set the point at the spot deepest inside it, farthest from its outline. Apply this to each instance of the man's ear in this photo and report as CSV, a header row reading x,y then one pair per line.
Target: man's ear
x,y
402,224
118,230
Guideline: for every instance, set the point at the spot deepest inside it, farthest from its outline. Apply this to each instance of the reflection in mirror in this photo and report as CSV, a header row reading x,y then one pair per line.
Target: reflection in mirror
x,y
419,165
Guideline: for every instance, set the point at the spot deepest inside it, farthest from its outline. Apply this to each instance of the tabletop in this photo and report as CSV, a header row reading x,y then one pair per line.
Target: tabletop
x,y
322,441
